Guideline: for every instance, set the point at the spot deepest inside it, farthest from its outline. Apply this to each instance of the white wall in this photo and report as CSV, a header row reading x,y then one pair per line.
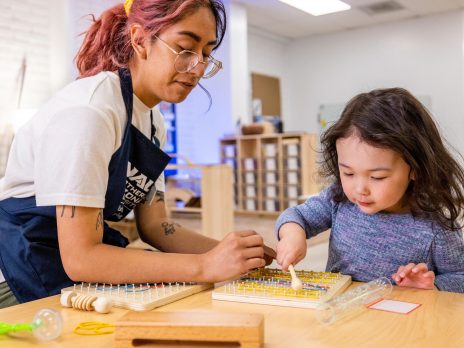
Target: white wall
x,y
199,130
46,32
239,76
268,55
80,20
423,55
24,33
61,44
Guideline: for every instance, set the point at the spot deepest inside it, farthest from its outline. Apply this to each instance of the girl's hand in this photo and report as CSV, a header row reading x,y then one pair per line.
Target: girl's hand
x,y
415,276
292,245
236,254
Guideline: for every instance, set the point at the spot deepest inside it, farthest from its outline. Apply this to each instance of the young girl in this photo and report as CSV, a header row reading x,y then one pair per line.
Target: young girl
x,y
93,153
395,206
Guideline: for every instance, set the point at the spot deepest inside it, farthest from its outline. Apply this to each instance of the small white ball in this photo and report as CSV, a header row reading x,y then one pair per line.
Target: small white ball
x,y
102,305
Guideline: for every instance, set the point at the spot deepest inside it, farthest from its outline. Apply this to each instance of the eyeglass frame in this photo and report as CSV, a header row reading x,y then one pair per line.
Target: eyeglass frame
x,y
210,59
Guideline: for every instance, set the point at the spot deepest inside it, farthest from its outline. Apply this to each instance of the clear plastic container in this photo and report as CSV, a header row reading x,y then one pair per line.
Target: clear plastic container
x,y
353,300
47,324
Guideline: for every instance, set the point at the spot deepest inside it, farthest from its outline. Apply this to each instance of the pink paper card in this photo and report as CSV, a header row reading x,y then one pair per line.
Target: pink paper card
x,y
394,306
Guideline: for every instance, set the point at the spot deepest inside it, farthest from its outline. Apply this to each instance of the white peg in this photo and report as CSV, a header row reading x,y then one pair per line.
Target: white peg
x,y
296,282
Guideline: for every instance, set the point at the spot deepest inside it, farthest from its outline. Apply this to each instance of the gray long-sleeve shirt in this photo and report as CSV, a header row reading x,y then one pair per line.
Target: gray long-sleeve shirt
x,y
372,246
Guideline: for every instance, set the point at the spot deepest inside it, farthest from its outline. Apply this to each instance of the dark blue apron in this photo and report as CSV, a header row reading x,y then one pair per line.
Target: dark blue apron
x,y
29,254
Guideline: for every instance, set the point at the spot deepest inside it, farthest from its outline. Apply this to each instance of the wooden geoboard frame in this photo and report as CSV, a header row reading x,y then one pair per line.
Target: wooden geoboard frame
x,y
139,297
317,287
190,329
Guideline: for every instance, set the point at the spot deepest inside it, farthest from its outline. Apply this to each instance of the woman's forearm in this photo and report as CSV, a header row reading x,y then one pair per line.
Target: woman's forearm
x,y
158,230
110,264
169,236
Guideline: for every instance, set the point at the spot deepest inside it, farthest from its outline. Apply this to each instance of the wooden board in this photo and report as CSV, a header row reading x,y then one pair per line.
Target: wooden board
x,y
139,297
273,287
267,89
190,329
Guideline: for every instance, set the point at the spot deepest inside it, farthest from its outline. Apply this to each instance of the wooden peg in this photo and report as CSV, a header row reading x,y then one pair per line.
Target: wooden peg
x,y
85,302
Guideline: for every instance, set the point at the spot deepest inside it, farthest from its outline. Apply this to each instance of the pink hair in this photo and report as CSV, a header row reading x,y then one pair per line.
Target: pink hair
x,y
107,45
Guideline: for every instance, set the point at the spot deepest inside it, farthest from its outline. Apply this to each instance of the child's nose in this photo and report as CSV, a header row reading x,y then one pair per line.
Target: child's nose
x,y
362,188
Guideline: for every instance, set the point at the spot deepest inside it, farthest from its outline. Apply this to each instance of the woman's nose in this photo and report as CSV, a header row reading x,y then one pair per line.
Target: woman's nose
x,y
198,70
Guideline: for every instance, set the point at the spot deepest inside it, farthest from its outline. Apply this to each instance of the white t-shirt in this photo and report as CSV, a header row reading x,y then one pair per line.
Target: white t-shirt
x,y
61,155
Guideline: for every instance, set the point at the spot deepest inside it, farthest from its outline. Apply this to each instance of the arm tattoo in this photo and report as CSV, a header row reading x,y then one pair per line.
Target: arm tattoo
x,y
99,220
73,211
169,228
159,196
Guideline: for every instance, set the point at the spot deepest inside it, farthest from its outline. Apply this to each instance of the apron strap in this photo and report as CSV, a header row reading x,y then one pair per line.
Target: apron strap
x,y
127,91
153,131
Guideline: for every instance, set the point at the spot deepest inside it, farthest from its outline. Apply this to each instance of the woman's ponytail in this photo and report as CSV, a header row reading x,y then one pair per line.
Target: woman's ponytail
x,y
106,45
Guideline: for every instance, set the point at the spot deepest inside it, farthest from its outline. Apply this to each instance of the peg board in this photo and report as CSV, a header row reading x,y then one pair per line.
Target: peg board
x,y
273,287
139,297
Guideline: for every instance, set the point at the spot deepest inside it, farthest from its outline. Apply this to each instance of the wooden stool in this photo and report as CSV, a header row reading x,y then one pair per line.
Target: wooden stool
x,y
189,329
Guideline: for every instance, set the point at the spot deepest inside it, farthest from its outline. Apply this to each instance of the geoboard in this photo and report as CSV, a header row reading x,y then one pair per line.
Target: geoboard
x,y
273,287
139,297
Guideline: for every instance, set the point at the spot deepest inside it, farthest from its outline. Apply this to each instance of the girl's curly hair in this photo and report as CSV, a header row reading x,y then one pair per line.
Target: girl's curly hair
x,y
394,119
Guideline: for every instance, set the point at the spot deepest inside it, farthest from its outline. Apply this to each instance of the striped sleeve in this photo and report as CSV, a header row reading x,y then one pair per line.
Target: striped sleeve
x,y
448,258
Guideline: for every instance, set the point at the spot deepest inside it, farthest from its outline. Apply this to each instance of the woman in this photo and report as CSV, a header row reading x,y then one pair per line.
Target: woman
x,y
93,153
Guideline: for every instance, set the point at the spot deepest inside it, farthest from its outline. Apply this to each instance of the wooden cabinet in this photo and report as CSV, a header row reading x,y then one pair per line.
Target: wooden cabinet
x,y
217,214
270,171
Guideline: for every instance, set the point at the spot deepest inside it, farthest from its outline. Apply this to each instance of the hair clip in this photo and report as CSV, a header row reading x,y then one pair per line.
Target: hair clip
x,y
127,6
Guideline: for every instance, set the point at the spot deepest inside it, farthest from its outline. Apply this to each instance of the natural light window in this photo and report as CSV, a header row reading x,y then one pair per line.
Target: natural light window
x,y
318,7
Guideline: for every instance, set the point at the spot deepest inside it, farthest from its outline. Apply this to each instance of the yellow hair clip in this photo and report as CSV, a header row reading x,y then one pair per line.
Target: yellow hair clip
x,y
127,6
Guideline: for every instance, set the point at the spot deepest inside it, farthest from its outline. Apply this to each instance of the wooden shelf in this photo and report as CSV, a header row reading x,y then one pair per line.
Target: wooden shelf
x,y
185,210
254,212
275,160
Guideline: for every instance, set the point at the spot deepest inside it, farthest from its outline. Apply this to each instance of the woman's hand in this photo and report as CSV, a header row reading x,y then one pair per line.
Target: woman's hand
x,y
236,254
269,255
415,276
292,245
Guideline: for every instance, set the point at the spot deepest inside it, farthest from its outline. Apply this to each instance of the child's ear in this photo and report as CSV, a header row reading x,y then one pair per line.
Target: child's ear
x,y
138,41
412,175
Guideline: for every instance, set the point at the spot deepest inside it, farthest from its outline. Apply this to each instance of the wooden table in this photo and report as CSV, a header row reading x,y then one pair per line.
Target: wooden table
x,y
439,322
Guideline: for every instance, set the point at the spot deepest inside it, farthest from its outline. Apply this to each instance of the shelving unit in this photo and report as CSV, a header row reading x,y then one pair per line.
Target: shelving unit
x,y
270,171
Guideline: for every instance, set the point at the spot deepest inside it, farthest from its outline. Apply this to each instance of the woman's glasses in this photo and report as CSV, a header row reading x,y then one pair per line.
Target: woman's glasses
x,y
187,60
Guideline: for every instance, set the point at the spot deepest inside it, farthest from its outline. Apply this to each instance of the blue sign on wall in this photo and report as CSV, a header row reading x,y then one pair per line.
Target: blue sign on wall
x,y
168,111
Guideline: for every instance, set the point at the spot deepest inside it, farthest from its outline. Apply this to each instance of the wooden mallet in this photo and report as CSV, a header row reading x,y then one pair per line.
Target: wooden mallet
x,y
296,282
